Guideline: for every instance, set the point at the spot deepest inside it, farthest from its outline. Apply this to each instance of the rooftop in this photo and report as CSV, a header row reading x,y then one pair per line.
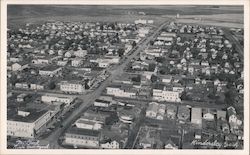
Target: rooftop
x,y
84,132
32,117
50,68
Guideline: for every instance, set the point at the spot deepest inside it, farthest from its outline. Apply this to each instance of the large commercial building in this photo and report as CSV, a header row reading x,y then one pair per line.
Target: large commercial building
x,y
27,123
72,87
162,94
82,137
54,98
122,91
196,116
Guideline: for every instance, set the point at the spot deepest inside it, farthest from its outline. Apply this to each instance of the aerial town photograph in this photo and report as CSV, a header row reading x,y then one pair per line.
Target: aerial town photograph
x,y
125,77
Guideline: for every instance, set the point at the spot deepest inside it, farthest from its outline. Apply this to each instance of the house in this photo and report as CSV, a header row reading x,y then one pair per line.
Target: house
x,y
19,66
217,82
152,110
161,112
78,137
85,123
27,123
76,62
160,93
69,54
208,115
166,78
225,127
62,62
197,134
196,116
231,113
183,113
22,97
138,65
162,109
50,71
80,53
170,144
171,111
72,86
15,59
104,63
110,145
22,85
178,88
40,61
191,69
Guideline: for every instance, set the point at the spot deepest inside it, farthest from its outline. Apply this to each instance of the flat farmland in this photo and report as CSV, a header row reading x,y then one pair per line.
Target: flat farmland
x,y
19,15
13,23
224,20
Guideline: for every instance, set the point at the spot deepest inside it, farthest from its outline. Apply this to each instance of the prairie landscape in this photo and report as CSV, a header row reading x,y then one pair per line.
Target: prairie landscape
x,y
19,15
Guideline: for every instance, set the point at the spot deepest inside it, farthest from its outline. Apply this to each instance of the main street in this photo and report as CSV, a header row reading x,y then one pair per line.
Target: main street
x,y
88,99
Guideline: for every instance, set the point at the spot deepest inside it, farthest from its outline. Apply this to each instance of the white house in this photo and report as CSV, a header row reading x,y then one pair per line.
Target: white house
x,y
208,115
110,145
19,66
231,113
62,63
169,144
152,110
103,63
76,62
80,53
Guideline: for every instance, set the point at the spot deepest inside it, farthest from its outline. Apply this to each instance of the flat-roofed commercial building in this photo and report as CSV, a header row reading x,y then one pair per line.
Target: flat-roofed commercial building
x,y
196,116
82,137
72,87
27,123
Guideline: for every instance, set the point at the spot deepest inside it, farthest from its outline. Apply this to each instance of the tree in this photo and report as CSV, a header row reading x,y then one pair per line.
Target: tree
x,y
52,85
136,79
101,27
160,59
151,42
120,52
133,44
113,118
153,78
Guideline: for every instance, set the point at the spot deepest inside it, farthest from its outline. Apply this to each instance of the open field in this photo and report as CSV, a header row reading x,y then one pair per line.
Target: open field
x,y
211,22
234,18
18,15
13,23
224,20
